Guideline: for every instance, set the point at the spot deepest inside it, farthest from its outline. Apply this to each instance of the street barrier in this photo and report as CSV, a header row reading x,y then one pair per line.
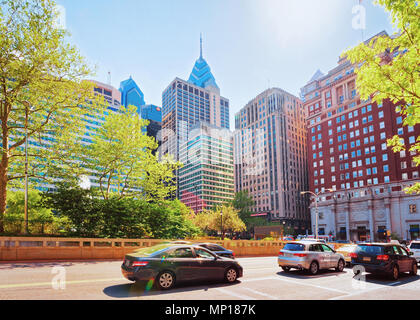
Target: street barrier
x,y
36,248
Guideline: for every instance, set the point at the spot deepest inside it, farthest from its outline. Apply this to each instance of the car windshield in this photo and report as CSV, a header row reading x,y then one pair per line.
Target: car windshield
x,y
294,247
369,249
151,251
415,245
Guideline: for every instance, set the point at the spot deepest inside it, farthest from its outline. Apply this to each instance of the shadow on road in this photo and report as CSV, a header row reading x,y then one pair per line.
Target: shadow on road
x,y
303,274
142,289
386,281
18,265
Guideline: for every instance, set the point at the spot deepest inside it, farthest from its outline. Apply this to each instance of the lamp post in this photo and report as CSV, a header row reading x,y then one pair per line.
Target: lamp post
x,y
316,195
27,108
221,223
282,231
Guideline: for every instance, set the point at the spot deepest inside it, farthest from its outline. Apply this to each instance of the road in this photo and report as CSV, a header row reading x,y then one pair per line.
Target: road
x,y
263,280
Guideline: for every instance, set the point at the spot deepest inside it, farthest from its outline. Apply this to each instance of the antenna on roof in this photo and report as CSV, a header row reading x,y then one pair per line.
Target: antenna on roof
x,y
201,46
109,78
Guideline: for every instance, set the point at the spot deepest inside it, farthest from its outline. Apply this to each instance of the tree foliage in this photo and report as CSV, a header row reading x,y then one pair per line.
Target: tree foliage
x,y
41,79
213,220
389,68
92,216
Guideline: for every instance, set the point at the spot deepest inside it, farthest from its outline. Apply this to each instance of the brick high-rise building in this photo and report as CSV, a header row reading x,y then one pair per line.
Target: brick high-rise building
x,y
348,153
270,156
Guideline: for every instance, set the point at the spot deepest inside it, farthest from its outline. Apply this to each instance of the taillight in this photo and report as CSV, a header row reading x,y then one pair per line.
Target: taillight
x,y
281,253
139,263
353,255
301,255
383,257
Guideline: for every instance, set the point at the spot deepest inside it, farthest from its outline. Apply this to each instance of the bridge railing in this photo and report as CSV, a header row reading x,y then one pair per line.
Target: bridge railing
x,y
47,248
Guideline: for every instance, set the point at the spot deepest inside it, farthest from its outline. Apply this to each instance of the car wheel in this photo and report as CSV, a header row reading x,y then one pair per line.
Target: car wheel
x,y
340,266
413,271
286,269
231,275
165,280
314,267
395,273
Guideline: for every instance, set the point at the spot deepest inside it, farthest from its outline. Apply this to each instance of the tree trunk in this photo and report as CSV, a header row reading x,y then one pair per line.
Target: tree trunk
x,y
3,174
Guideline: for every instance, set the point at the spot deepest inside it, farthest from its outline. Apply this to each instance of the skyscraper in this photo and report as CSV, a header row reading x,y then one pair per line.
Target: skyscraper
x,y
185,103
270,156
206,179
348,153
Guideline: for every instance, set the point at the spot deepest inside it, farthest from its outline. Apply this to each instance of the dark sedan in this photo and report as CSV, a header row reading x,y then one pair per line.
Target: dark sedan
x,y
167,264
217,249
385,258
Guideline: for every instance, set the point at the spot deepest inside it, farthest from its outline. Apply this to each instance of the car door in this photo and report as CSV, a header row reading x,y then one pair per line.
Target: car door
x,y
318,254
328,254
208,267
182,261
405,259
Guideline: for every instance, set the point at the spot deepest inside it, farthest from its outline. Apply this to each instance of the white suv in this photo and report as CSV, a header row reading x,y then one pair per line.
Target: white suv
x,y
415,248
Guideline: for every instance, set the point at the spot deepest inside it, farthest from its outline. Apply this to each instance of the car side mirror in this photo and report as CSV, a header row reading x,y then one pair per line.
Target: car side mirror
x,y
410,253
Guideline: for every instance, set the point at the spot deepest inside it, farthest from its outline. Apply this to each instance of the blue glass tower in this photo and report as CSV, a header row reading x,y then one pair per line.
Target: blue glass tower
x,y
131,94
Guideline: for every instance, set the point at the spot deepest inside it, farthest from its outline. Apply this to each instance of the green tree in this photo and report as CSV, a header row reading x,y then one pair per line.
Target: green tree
x,y
389,68
213,220
243,203
121,154
41,80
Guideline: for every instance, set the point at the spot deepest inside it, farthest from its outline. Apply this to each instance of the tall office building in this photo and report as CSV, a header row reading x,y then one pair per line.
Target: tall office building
x,y
348,153
270,156
206,179
132,95
185,103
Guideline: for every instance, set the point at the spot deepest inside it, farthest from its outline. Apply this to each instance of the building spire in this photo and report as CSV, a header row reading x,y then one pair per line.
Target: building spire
x,y
201,46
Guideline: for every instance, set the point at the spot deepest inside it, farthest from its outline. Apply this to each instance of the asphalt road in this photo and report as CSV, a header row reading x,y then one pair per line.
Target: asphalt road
x,y
263,280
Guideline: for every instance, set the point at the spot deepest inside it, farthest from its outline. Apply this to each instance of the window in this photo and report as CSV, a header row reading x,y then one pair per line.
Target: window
x,y
181,253
203,254
412,139
380,114
412,208
399,120
386,168
384,157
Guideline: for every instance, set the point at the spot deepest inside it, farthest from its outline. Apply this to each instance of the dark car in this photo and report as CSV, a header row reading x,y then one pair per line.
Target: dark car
x,y
217,249
385,258
167,264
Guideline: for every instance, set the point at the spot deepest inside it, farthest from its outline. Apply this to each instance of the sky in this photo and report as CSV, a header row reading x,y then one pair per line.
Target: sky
x,y
250,45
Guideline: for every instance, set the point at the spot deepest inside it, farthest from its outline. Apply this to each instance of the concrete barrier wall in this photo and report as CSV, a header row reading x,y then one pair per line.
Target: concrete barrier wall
x,y
35,248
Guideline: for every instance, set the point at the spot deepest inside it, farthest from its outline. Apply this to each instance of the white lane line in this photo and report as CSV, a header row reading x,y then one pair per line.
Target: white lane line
x,y
241,296
355,293
296,282
262,294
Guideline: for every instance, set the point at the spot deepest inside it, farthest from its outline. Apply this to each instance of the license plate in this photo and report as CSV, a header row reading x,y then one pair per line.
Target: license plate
x,y
366,258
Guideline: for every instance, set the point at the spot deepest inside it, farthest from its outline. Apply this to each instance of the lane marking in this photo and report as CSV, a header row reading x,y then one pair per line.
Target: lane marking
x,y
262,293
241,296
43,284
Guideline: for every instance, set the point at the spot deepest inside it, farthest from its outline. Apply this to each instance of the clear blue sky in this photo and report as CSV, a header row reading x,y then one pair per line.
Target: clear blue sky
x,y
249,44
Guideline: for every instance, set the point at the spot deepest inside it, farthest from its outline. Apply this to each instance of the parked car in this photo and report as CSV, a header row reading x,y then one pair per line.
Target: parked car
x,y
415,249
346,250
383,258
217,249
168,263
311,256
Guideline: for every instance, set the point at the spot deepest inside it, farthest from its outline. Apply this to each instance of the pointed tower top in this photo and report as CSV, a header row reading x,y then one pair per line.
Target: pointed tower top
x,y
201,46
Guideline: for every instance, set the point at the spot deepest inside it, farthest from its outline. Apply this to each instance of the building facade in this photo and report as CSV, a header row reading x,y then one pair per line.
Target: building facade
x,y
270,156
358,176
206,179
186,103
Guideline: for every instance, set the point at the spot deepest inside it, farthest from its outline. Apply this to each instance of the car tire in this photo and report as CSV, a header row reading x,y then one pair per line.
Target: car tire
x,y
286,269
165,280
314,268
395,273
231,275
340,266
413,270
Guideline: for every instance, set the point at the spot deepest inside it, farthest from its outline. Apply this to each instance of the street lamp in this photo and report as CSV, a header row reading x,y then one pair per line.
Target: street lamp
x,y
27,109
221,223
316,195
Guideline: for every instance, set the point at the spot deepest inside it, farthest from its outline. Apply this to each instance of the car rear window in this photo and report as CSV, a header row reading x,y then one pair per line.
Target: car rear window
x,y
415,246
369,249
294,247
